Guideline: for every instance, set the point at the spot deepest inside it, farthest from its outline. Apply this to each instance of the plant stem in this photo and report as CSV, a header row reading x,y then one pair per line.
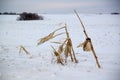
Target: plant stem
x,y
81,24
68,37
95,56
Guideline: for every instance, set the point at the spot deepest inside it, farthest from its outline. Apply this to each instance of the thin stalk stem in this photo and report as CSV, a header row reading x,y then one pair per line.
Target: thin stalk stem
x,y
81,24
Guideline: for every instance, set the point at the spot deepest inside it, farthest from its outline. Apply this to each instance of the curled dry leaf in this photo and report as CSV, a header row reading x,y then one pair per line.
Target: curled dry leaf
x,y
86,45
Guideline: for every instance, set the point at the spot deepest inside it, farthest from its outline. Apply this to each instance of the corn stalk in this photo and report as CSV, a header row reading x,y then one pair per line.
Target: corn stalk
x,y
87,38
69,46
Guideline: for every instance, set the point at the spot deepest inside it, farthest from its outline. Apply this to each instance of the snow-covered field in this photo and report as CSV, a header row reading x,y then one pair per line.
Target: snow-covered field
x,y
104,30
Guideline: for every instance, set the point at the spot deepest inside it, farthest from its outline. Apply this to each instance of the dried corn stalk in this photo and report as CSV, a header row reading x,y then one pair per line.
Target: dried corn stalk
x,y
87,45
69,48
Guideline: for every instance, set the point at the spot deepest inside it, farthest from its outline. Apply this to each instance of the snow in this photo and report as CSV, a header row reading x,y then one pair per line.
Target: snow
x,y
104,30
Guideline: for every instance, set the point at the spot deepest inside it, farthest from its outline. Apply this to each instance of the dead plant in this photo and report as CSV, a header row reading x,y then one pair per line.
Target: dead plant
x,y
87,45
65,47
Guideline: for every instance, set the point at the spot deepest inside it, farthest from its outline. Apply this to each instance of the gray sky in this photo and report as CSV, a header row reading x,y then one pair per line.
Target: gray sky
x,y
60,6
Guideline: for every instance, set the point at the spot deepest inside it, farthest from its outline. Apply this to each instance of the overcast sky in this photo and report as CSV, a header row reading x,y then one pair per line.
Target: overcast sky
x,y
60,6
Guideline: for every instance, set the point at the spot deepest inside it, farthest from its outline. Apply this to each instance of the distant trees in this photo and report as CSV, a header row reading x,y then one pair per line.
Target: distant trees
x,y
5,13
8,13
30,16
24,15
115,13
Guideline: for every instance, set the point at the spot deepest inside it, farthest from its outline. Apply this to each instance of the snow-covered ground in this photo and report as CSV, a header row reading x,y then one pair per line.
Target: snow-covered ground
x,y
104,30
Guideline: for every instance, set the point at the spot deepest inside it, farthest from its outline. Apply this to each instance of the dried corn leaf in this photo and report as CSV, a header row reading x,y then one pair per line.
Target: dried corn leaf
x,y
56,42
59,58
58,34
59,29
23,48
61,47
86,45
60,50
20,50
68,48
81,45
69,43
55,52
66,51
46,38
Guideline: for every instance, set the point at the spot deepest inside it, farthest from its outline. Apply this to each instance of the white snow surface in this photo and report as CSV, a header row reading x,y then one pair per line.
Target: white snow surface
x,y
104,31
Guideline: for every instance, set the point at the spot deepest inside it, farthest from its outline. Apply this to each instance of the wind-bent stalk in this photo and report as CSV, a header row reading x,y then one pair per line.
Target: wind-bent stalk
x,y
87,38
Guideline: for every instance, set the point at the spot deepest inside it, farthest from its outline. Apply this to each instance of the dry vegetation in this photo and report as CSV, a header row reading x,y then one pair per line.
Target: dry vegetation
x,y
65,48
23,49
87,44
